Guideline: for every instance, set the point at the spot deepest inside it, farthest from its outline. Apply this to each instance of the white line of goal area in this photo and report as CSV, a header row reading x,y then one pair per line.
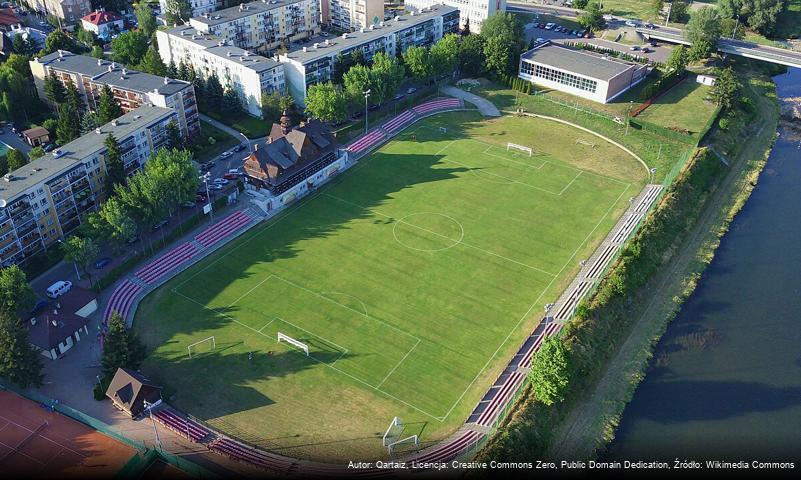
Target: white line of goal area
x,y
423,229
343,349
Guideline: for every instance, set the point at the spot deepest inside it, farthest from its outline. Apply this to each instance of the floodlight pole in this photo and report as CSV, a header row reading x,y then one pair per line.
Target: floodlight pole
x,y
366,94
149,407
205,177
74,264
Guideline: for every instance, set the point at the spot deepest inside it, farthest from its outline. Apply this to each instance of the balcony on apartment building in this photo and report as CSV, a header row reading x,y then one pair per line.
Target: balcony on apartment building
x,y
62,195
26,228
58,185
18,206
70,225
9,256
32,248
28,239
7,240
22,218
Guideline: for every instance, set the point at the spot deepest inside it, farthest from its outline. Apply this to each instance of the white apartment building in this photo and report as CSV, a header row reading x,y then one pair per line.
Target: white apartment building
x,y
69,11
263,26
350,15
131,88
49,197
307,65
472,11
199,7
248,74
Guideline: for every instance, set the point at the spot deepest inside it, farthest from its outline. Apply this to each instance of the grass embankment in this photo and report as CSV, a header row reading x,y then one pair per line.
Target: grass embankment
x,y
204,151
683,107
613,336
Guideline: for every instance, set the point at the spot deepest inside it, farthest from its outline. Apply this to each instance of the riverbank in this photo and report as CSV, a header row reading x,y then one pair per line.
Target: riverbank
x,y
591,423
585,422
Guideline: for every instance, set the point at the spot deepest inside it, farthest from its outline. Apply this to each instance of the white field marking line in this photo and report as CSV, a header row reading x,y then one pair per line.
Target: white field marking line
x,y
559,165
570,259
12,422
398,364
323,363
269,276
440,235
510,180
348,295
571,183
342,349
279,277
265,326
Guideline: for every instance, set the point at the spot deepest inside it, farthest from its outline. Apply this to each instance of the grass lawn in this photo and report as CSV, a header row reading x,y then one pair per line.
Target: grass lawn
x,y
635,9
683,106
413,278
789,21
252,127
203,151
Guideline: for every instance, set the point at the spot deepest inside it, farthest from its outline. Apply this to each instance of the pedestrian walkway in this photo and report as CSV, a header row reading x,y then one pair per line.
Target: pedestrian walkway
x,y
487,108
225,128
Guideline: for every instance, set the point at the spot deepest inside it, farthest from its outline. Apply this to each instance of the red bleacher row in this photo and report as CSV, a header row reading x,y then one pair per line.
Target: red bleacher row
x,y
180,425
499,401
434,105
162,265
121,299
243,453
448,451
223,228
367,141
398,122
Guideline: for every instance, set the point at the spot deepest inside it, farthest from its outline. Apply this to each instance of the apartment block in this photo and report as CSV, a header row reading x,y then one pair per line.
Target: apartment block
x,y
48,198
131,88
199,7
350,15
307,65
473,12
263,26
69,11
246,73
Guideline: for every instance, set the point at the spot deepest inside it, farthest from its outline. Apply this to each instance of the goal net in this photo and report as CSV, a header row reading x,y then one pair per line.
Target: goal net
x,y
443,130
295,343
412,439
393,432
519,148
201,346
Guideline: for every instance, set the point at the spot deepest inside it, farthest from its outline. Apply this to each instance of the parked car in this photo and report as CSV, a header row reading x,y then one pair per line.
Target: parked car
x,y
581,33
549,25
200,198
631,23
539,40
48,147
653,43
131,241
646,50
239,148
235,171
188,205
221,181
159,224
373,107
634,48
102,262
398,96
59,288
230,176
215,186
357,114
40,306
226,154
410,90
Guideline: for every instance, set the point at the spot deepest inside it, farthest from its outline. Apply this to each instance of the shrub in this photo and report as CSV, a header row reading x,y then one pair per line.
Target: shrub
x,y
723,123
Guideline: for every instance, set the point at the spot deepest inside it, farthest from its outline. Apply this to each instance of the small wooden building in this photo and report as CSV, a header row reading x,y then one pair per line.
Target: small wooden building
x,y
36,136
129,390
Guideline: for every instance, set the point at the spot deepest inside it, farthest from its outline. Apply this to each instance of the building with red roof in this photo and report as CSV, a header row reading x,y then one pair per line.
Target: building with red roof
x,y
103,23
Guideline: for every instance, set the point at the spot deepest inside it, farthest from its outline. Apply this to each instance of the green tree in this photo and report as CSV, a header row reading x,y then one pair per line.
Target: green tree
x,y
20,64
15,160
58,40
550,371
326,102
81,251
231,104
471,55
387,74
121,347
678,59
418,63
703,30
592,19
145,18
19,362
504,24
213,93
23,46
36,152
16,295
120,223
152,62
580,4
50,124
89,122
173,176
54,90
445,54
679,11
69,126
129,48
73,96
499,55
108,108
657,6
115,169
729,28
177,12
88,38
357,80
725,88
174,137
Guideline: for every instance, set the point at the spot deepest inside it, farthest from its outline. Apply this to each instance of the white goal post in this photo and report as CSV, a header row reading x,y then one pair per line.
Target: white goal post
x,y
443,130
393,431
522,148
409,439
213,344
292,341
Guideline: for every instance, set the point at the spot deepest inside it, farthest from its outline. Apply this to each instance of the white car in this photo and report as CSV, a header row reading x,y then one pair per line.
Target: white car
x,y
630,23
215,186
221,181
549,26
226,154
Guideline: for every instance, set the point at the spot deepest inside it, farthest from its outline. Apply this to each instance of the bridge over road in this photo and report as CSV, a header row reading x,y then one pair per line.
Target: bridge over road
x,y
789,58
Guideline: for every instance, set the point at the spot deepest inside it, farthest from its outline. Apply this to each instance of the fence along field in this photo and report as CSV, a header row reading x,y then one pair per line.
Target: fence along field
x,y
411,279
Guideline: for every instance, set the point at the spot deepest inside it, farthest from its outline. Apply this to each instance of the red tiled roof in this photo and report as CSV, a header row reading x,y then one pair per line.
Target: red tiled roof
x,y
99,18
8,17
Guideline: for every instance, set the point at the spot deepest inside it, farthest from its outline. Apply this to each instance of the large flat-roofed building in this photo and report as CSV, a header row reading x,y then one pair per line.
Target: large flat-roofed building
x,y
586,74
131,88
198,7
472,12
68,11
314,63
47,199
263,26
247,74
349,15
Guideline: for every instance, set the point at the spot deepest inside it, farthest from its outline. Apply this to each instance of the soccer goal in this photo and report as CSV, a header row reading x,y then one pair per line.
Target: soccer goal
x,y
443,130
293,342
521,148
410,439
197,346
393,432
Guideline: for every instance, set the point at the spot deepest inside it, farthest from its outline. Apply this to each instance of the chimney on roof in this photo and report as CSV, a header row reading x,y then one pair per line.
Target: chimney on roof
x,y
166,80
286,123
97,130
114,123
256,145
60,53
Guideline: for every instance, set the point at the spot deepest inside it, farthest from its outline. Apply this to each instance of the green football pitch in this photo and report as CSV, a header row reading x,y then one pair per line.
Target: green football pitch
x,y
412,277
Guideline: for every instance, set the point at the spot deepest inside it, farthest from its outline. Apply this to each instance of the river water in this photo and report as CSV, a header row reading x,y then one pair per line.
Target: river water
x,y
725,382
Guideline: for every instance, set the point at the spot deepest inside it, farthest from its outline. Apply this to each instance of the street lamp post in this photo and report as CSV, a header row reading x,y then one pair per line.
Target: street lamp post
x,y
736,24
74,264
149,407
205,178
247,142
366,94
